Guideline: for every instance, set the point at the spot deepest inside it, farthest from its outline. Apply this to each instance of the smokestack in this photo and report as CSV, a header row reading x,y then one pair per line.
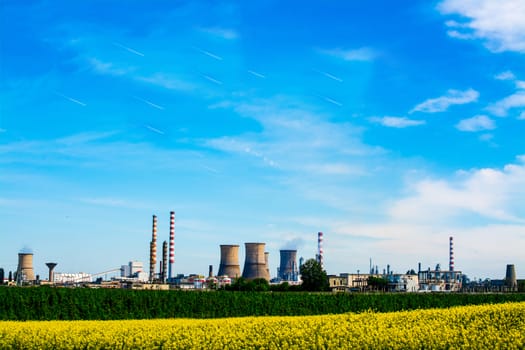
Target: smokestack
x,y
388,269
164,260
320,249
510,277
451,255
418,268
229,265
288,266
153,250
51,267
210,271
172,243
255,264
25,271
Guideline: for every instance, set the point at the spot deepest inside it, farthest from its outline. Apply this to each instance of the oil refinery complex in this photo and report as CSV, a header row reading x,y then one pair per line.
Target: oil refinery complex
x,y
256,266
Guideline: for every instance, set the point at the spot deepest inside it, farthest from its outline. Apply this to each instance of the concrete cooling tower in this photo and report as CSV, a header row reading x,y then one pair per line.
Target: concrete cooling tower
x,y
229,265
255,262
288,267
510,277
25,270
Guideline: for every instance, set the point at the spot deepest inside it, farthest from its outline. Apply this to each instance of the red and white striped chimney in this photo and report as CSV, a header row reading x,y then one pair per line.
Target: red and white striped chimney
x,y
172,242
320,248
153,250
451,256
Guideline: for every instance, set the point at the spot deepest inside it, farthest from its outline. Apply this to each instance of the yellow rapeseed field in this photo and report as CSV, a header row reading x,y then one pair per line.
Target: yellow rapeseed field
x,y
500,326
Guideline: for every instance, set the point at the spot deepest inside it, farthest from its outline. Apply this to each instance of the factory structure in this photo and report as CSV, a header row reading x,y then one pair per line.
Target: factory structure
x,y
256,266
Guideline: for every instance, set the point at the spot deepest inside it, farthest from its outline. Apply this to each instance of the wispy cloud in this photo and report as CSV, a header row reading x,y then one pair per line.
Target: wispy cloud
x,y
149,127
129,49
209,54
507,75
168,81
440,104
224,33
396,122
258,75
502,107
360,54
149,103
476,123
328,75
108,68
213,80
522,116
331,100
500,24
71,99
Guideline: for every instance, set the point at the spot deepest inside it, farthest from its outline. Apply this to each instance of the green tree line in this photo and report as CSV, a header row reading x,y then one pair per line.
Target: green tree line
x,y
48,303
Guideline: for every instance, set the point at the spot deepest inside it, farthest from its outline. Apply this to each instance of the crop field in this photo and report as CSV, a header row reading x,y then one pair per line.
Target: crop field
x,y
500,326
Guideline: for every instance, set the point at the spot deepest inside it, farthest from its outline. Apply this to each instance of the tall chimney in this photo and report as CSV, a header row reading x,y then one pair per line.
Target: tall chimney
x,y
320,249
210,271
164,260
51,267
153,250
172,243
451,257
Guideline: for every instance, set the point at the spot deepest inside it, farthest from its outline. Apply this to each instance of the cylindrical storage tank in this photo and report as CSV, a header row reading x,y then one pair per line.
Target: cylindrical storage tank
x,y
255,262
229,265
25,267
510,277
288,265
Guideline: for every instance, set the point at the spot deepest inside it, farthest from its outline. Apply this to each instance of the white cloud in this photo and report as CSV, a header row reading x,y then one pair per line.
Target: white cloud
x,y
361,54
507,75
486,137
502,107
494,194
520,84
440,104
522,116
168,82
396,122
107,68
224,33
476,123
500,24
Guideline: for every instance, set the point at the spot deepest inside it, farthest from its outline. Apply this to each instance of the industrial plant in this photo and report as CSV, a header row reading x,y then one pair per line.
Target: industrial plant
x,y
160,274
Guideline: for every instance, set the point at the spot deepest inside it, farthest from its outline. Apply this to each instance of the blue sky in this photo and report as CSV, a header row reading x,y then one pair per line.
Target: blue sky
x,y
387,126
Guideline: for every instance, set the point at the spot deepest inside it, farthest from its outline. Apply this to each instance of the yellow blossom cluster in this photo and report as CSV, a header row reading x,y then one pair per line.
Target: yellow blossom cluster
x,y
499,326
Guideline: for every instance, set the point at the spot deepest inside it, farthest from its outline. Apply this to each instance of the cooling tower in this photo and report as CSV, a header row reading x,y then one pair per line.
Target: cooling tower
x,y
229,265
288,267
266,258
510,277
255,263
25,270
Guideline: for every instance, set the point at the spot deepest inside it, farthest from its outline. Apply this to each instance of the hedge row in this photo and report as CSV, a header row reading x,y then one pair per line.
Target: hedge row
x,y
43,303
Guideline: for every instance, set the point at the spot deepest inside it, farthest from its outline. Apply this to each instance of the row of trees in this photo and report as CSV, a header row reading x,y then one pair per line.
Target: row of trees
x,y
51,303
